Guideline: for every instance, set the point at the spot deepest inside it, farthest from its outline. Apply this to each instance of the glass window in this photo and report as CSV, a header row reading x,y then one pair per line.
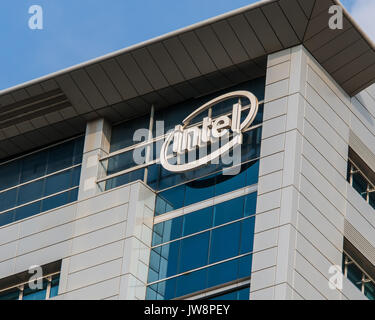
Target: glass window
x,y
252,173
222,273
170,200
250,204
12,294
54,286
197,221
60,157
354,274
371,199
27,211
228,211
10,174
247,235
225,242
199,190
194,252
8,199
35,294
34,166
360,184
244,266
78,150
191,282
369,290
122,134
240,294
58,182
6,217
55,201
228,183
125,179
30,192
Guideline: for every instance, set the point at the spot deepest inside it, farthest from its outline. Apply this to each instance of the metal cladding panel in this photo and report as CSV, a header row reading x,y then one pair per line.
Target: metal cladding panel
x,y
181,57
213,47
280,24
228,38
354,67
34,90
73,93
150,69
358,83
326,35
263,30
307,6
134,73
104,84
88,88
296,16
165,63
197,52
336,45
247,36
119,79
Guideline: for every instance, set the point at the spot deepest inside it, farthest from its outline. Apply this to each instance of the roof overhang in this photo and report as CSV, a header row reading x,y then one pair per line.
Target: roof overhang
x,y
184,64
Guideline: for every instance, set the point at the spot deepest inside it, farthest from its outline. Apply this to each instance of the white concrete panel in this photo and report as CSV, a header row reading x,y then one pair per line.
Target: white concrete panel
x,y
275,108
95,274
278,72
277,90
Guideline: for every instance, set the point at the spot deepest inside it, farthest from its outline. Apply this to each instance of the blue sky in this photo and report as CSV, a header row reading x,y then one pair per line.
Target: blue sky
x,y
78,30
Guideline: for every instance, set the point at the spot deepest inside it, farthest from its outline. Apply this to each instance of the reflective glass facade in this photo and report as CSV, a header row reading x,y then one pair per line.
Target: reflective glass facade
x,y
206,248
41,181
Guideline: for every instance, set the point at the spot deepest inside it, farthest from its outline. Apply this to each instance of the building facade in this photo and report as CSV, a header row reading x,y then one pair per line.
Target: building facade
x,y
80,212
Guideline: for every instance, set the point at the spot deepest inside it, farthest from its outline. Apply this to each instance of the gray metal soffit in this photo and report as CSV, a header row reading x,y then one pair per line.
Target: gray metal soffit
x,y
184,64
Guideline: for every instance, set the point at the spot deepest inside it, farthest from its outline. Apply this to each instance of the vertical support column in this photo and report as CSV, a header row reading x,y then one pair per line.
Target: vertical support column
x,y
97,145
277,205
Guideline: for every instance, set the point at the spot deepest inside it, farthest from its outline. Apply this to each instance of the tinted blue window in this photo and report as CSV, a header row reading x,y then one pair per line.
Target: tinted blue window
x,y
120,162
228,183
55,201
228,211
243,294
247,235
166,289
225,242
76,174
250,204
58,182
10,295
228,296
54,287
199,190
194,252
60,157
244,267
125,179
73,195
252,173
29,294
10,174
197,221
27,211
191,282
172,229
122,134
78,150
222,273
6,217
169,259
8,199
170,200
30,192
34,166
